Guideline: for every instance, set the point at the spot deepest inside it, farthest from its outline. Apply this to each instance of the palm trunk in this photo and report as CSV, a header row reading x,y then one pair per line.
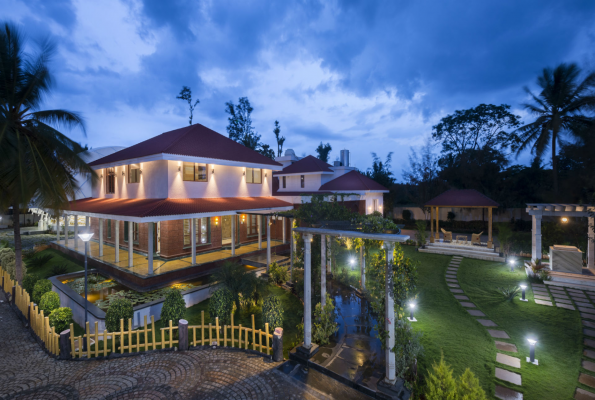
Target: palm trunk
x,y
555,164
18,254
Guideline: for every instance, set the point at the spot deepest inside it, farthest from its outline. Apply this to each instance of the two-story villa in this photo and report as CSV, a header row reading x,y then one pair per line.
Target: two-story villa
x,y
180,203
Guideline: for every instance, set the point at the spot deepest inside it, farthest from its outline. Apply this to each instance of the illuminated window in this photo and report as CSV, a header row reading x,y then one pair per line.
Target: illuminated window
x,y
302,180
203,231
134,231
375,204
253,175
252,225
133,173
194,172
110,180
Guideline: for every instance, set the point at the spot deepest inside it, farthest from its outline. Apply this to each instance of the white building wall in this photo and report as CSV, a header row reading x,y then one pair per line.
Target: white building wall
x,y
152,184
311,183
370,197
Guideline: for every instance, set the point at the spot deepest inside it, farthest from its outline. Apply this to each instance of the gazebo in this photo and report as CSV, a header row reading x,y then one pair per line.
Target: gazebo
x,y
459,198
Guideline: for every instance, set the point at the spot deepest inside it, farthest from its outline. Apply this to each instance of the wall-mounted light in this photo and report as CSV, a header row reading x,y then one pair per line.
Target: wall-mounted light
x,y
140,171
123,173
564,219
242,219
102,175
244,173
213,170
216,220
265,174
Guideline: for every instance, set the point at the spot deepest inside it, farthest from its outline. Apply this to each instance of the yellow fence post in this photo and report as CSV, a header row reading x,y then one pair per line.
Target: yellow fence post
x,y
217,330
122,336
253,334
129,335
171,336
97,339
146,334
210,334
105,342
266,328
202,327
232,328
246,341
88,339
72,348
153,330
240,336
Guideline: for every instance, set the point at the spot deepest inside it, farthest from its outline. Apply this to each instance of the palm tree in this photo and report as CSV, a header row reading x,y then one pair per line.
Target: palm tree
x,y
37,162
559,108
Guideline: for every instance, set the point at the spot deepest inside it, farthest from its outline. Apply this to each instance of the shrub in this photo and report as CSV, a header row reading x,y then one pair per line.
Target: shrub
x,y
278,274
407,215
38,261
441,384
221,306
58,270
272,312
40,288
174,307
468,387
420,232
324,321
60,319
29,282
49,302
450,217
117,310
537,265
509,292
407,349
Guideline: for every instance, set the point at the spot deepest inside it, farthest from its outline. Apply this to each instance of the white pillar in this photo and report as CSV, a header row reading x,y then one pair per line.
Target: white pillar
x,y
268,242
65,230
283,219
58,228
76,231
307,291
536,250
291,246
323,270
193,239
362,263
117,240
87,223
130,244
591,244
100,237
390,319
233,235
150,248
259,225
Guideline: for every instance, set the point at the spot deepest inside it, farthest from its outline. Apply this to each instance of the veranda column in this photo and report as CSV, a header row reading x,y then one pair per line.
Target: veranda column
x,y
536,238
490,243
307,291
58,229
390,319
291,245
117,241
284,228
591,244
362,263
76,231
268,243
323,270
437,224
130,244
233,235
193,239
65,230
150,248
100,237
259,224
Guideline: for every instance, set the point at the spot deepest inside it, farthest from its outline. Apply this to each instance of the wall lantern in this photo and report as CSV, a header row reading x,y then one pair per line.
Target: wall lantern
x,y
123,173
213,170
564,219
523,287
411,317
243,219
216,220
531,357
265,174
244,173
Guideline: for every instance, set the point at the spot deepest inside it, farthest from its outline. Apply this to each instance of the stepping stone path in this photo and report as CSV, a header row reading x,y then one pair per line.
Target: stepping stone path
x,y
584,302
506,360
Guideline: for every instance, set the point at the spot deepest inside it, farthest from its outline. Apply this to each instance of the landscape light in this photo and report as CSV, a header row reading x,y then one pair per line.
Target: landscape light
x,y
564,219
85,237
411,308
531,357
511,262
352,261
523,287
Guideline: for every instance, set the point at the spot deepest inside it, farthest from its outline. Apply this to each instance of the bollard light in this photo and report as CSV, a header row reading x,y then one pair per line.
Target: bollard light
x,y
523,287
411,308
511,262
531,357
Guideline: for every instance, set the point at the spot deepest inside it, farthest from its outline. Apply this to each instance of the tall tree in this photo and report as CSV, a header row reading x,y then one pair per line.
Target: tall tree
x,y
323,151
422,175
472,129
186,95
240,123
280,139
560,109
266,150
38,163
381,171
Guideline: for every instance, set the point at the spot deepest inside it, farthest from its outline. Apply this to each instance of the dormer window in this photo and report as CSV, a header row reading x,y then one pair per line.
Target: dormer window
x,y
133,173
253,175
302,181
194,172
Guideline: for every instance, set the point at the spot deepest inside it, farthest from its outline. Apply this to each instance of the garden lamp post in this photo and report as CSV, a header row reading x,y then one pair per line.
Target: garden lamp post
x,y
531,357
511,262
85,237
523,287
352,262
411,308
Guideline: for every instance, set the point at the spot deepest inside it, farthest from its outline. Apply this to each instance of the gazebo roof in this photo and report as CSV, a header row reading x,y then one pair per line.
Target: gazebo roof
x,y
461,198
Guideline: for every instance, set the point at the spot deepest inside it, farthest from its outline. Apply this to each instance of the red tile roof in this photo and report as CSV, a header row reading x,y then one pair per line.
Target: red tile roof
x,y
195,141
352,181
462,198
306,164
144,208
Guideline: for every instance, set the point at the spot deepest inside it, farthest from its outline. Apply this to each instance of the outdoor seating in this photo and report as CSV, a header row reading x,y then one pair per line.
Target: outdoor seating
x,y
447,235
476,238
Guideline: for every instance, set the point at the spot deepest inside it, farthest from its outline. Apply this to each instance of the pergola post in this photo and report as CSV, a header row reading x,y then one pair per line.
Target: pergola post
x,y
100,237
76,231
193,239
268,242
150,247
323,270
591,243
233,235
284,228
490,242
536,252
117,241
431,225
390,372
259,225
130,244
307,291
437,224
362,263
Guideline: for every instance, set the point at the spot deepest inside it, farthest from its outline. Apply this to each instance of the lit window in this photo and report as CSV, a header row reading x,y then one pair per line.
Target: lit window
x,y
253,175
194,172
375,204
253,225
284,183
134,231
133,173
203,231
110,181
302,180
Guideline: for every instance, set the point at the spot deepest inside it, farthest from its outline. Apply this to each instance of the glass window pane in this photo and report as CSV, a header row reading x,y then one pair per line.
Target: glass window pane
x,y
186,232
257,175
125,231
201,172
188,171
133,173
109,228
203,231
249,177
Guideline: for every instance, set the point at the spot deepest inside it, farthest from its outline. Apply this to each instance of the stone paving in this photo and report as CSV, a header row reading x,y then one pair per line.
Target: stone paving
x,y
583,302
26,372
506,360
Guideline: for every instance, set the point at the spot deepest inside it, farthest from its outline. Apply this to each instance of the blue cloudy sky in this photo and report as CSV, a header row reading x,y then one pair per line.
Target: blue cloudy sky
x,y
369,76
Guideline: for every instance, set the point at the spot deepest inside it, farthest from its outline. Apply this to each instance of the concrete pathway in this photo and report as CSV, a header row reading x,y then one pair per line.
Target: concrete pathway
x,y
511,363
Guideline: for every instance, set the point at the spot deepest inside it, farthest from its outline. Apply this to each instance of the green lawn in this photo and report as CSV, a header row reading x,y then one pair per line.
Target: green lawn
x,y
58,259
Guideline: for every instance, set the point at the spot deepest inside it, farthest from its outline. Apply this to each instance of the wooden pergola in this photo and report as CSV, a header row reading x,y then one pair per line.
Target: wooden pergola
x,y
459,198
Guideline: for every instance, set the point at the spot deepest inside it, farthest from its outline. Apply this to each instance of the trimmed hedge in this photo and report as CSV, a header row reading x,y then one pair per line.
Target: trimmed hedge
x,y
29,282
221,306
40,288
118,309
60,319
272,312
49,302
174,307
